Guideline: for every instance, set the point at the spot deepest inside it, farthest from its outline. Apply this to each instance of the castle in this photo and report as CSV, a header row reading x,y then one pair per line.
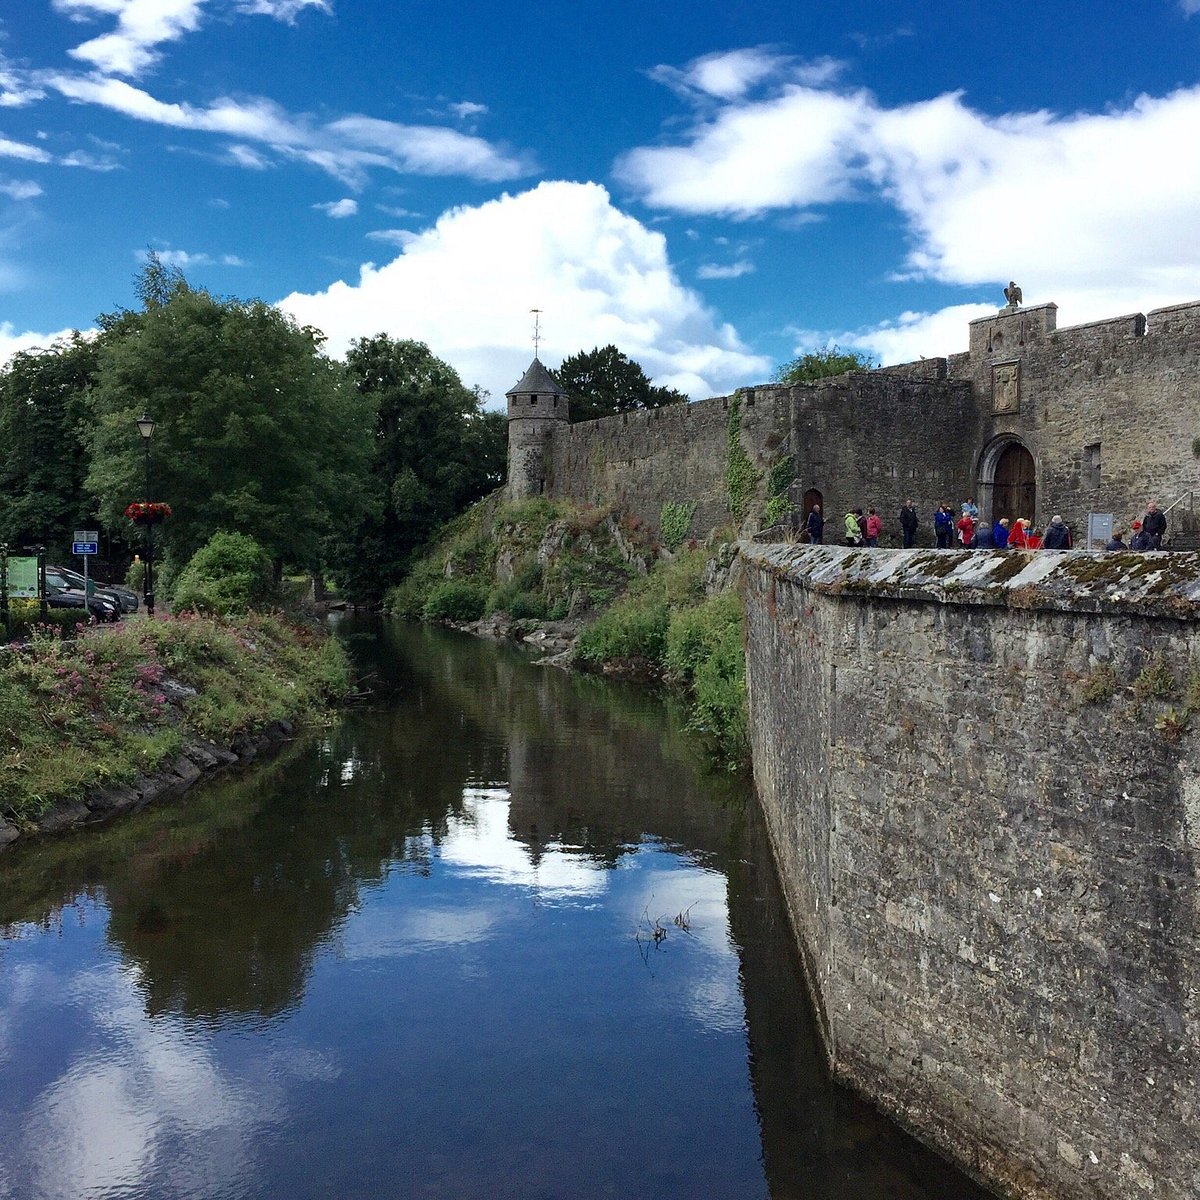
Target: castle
x,y
1030,420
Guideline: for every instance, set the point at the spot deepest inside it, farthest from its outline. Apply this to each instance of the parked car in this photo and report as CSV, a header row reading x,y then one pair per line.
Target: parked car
x,y
100,607
126,598
103,608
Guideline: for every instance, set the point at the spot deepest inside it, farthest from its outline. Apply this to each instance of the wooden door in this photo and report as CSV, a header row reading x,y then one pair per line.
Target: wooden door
x,y
1014,489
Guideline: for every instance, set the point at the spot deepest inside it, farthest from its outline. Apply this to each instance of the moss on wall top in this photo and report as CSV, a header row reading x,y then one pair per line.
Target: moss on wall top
x,y
1160,584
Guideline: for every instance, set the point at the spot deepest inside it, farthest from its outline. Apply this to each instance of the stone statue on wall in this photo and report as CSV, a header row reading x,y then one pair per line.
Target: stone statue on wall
x,y
1012,294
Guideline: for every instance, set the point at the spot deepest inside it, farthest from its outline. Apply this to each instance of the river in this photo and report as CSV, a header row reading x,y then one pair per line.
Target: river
x,y
495,933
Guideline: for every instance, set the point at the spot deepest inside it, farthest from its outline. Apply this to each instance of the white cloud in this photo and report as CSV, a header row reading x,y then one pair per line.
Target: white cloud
x,y
90,162
184,259
338,208
144,25
465,286
908,337
141,26
734,270
12,342
15,88
20,189
1190,7
730,74
468,108
393,237
282,10
1088,209
23,151
788,151
347,148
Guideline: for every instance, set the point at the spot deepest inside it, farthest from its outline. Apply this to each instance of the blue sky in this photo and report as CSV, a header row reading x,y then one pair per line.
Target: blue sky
x,y
713,187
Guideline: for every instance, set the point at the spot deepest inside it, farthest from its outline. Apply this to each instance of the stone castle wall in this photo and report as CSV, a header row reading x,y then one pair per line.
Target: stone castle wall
x,y
641,460
1126,391
987,823
1107,410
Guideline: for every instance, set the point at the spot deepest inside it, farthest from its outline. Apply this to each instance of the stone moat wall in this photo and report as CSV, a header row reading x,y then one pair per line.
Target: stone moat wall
x,y
983,791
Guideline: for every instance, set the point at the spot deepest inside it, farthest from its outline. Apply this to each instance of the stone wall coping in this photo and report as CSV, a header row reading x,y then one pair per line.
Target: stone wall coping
x,y
1156,584
1174,308
1136,320
1024,309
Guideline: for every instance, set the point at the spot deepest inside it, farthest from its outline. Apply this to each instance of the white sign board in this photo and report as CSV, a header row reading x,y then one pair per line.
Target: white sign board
x,y
1100,528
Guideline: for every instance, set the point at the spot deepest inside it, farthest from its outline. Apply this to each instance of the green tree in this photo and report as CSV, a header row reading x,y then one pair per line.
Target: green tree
x,y
821,364
603,381
257,431
43,445
436,451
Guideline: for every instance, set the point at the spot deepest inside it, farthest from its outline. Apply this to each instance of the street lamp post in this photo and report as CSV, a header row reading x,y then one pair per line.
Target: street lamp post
x,y
145,424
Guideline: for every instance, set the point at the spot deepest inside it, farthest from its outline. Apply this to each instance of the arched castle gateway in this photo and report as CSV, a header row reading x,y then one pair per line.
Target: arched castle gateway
x,y
1031,420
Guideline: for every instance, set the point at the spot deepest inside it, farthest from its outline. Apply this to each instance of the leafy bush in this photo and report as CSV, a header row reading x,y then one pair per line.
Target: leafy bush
x,y
632,629
455,600
25,620
719,711
675,521
230,573
135,577
696,633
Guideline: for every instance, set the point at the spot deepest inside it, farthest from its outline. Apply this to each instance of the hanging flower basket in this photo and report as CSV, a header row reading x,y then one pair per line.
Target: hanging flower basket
x,y
148,512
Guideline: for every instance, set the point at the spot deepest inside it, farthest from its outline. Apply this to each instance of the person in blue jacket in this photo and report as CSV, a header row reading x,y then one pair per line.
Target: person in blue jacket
x,y
983,539
1000,534
943,527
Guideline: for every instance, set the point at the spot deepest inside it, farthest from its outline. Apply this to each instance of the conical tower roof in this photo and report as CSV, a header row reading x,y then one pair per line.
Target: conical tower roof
x,y
536,381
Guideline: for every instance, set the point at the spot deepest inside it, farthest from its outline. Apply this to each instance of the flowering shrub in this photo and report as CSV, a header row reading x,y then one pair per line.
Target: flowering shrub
x,y
146,512
120,700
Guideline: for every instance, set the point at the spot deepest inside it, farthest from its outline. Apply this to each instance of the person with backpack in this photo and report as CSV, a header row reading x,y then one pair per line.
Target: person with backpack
x,y
1058,536
943,528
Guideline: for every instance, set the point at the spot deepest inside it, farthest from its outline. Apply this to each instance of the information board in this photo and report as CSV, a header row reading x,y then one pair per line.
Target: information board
x,y
22,579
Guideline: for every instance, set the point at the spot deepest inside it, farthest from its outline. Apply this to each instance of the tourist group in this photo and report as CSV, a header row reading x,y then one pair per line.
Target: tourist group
x,y
968,532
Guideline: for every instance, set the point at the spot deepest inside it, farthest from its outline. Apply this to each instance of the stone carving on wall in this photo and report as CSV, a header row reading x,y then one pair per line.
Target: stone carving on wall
x,y
1006,387
1012,294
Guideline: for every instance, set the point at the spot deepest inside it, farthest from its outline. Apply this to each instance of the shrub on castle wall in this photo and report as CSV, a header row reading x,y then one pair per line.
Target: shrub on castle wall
x,y
741,478
675,523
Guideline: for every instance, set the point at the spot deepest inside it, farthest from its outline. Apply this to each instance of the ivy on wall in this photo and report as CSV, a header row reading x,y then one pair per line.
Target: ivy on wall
x,y
740,476
675,522
779,480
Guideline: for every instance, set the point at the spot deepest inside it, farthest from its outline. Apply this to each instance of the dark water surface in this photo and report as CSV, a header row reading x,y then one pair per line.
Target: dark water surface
x,y
404,960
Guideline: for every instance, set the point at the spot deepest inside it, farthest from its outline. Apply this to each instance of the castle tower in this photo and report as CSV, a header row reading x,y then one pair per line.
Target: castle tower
x,y
537,406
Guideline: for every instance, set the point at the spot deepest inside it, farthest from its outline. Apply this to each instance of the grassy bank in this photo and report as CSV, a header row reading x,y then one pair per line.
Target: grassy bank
x,y
640,610
122,700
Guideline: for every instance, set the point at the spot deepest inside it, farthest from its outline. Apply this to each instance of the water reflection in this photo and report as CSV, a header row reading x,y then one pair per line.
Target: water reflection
x,y
402,961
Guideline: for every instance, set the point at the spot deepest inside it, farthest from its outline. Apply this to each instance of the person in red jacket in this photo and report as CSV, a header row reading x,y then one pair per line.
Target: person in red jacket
x,y
966,529
872,527
1017,536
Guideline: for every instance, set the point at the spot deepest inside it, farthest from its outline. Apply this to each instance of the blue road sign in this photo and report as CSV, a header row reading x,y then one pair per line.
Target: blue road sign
x,y
85,548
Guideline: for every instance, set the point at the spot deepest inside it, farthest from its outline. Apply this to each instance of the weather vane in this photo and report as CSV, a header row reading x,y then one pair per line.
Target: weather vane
x,y
537,329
